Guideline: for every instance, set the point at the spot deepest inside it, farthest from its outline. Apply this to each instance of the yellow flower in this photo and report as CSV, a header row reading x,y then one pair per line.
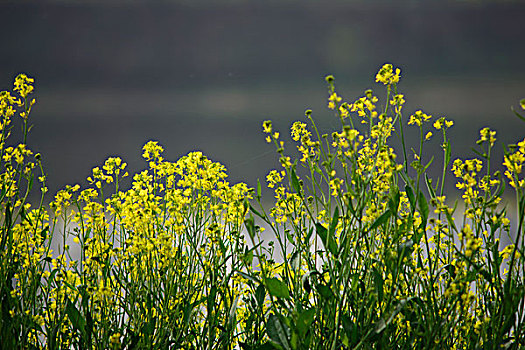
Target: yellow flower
x,y
398,101
298,130
343,111
24,85
514,164
274,177
267,126
387,76
114,339
333,99
442,123
487,135
335,186
418,118
285,162
152,150
507,251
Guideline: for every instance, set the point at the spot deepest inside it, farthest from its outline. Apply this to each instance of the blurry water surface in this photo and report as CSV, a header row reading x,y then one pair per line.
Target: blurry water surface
x,y
112,75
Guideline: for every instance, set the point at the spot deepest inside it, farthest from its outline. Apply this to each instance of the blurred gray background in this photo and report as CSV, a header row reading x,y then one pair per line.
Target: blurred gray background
x,y
111,75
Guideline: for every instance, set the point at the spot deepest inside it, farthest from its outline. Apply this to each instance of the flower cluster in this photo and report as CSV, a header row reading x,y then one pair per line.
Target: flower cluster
x,y
387,76
514,163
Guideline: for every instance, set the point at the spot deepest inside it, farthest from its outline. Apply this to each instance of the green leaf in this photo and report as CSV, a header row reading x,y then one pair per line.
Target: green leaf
x,y
330,244
51,277
258,188
325,291
149,327
245,346
295,181
277,288
189,309
76,318
517,114
89,324
451,269
210,301
260,294
288,235
306,283
333,224
380,326
295,261
278,332
378,280
405,249
429,187
393,201
256,212
350,329
423,207
222,246
304,321
295,342
428,164
247,256
266,346
233,310
3,192
350,207
381,220
248,277
250,226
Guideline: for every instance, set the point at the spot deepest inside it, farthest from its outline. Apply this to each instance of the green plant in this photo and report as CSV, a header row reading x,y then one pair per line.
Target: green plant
x,y
374,256
24,236
370,253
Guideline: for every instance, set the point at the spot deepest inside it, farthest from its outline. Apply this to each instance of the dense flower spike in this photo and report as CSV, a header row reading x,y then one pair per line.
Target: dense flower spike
x,y
387,76
24,85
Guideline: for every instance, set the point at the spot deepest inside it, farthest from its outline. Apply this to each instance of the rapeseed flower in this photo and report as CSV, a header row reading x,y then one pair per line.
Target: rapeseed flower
x,y
514,163
24,85
418,118
333,100
387,76
487,135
